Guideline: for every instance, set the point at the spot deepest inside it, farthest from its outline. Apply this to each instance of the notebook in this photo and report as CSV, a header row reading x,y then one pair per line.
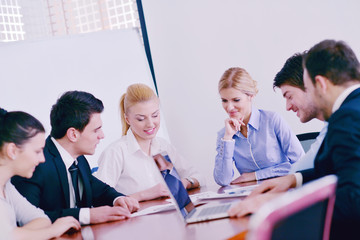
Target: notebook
x,y
183,204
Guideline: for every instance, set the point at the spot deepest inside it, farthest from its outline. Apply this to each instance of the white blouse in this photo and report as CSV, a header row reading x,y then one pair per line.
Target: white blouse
x,y
124,166
18,208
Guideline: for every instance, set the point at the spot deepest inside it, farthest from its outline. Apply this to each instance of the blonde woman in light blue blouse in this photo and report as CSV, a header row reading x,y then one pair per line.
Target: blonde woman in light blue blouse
x,y
259,142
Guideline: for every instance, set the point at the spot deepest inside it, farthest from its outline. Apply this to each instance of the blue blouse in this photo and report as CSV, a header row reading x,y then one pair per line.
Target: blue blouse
x,y
269,150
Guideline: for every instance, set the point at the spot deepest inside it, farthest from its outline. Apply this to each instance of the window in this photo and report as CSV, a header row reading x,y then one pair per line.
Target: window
x,y
11,22
28,20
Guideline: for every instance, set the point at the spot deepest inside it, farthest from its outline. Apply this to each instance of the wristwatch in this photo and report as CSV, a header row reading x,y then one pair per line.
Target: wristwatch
x,y
191,181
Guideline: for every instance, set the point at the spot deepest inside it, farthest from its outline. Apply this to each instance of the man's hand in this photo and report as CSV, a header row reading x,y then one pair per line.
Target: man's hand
x,y
275,185
266,191
108,214
251,204
129,203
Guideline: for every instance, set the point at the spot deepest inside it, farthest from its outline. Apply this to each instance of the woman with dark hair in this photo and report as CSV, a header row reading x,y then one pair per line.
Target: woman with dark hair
x,y
22,139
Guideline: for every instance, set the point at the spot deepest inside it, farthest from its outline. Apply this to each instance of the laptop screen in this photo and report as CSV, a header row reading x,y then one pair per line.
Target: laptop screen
x,y
174,184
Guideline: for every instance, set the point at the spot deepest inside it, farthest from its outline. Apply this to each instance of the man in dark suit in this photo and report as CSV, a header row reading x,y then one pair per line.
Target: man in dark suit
x,y
332,81
64,185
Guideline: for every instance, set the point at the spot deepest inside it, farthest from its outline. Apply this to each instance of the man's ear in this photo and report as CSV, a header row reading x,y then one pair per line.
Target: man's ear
x,y
72,134
321,83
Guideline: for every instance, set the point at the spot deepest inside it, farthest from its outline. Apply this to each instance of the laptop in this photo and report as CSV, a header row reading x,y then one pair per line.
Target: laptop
x,y
183,204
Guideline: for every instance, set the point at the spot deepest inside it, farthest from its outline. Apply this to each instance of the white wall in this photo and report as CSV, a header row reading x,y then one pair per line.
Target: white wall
x,y
35,73
194,42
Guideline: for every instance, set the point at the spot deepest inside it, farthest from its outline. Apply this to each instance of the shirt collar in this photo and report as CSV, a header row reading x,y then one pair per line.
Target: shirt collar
x,y
341,98
254,120
66,157
133,145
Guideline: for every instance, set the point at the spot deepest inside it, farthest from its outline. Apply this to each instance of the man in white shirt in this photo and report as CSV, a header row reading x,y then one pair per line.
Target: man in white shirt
x,y
332,81
290,81
64,185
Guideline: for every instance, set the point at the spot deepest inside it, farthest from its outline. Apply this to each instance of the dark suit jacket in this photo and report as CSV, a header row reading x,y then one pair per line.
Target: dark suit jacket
x,y
339,154
49,188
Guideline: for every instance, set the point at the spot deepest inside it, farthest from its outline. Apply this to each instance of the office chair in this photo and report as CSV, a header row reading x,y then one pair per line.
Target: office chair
x,y
303,213
306,139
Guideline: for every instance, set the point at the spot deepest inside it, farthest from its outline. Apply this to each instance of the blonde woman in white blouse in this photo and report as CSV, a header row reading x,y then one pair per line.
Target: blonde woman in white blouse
x,y
127,164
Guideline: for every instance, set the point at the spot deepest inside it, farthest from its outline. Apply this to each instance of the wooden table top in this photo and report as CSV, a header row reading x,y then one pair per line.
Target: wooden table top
x,y
167,225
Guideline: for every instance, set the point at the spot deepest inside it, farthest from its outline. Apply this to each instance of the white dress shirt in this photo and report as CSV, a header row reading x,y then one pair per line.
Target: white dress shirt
x,y
339,100
307,161
124,166
84,214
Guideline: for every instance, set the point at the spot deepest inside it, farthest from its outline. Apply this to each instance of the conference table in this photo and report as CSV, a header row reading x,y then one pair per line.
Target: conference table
x,y
168,224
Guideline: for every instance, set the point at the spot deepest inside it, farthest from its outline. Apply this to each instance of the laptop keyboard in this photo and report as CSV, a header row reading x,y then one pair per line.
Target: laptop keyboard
x,y
214,210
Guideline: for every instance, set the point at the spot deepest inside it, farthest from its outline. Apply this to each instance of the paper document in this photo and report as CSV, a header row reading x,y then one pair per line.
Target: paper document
x,y
241,190
154,209
228,193
214,195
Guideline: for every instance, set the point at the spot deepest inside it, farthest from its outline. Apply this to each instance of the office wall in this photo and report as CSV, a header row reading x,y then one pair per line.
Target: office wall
x,y
194,42
35,73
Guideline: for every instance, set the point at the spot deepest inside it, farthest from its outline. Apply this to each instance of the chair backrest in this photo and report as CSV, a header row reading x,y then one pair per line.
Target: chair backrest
x,y
304,213
306,139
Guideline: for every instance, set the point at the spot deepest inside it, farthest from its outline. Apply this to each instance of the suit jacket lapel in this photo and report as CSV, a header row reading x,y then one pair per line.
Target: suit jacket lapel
x,y
62,171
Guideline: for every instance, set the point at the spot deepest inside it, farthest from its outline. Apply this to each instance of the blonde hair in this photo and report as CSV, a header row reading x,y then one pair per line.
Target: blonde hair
x,y
135,93
239,79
